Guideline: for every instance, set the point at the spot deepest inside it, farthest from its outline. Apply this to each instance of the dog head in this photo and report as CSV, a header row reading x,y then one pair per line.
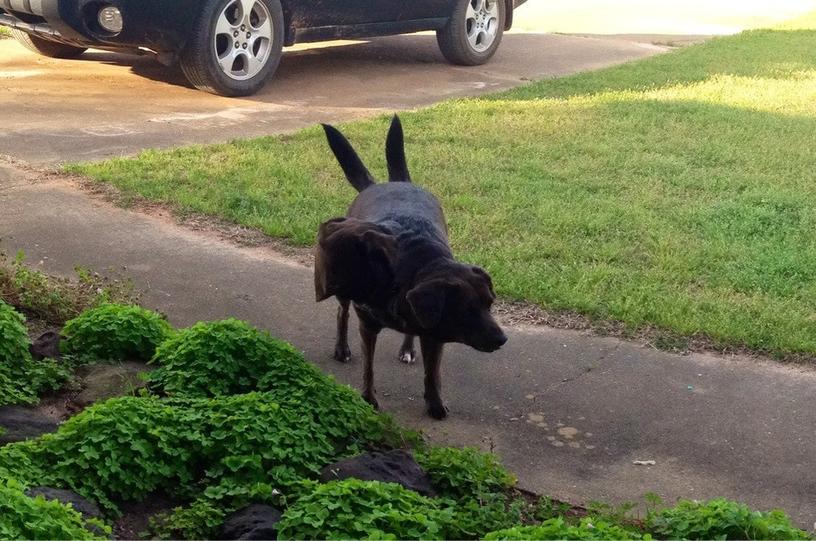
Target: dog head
x,y
354,260
453,305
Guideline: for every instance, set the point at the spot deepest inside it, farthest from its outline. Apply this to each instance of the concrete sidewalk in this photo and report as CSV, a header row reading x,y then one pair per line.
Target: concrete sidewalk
x,y
568,412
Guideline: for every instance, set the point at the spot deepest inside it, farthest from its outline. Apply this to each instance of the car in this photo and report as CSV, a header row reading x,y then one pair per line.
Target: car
x,y
231,47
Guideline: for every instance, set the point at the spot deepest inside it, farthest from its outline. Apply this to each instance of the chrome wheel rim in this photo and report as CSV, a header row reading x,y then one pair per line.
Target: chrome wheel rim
x,y
243,39
482,23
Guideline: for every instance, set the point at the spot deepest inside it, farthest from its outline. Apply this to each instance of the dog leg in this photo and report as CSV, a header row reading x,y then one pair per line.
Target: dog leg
x,y
407,353
368,335
432,361
342,353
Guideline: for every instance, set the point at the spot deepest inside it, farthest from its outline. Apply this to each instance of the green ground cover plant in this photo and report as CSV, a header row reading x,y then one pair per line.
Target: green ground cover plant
x,y
227,357
669,193
720,519
128,448
259,430
464,473
115,332
22,517
557,528
22,379
55,300
354,509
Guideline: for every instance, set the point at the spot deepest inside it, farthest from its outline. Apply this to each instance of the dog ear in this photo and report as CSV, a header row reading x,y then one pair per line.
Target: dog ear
x,y
356,172
353,259
328,228
380,253
395,153
323,280
427,300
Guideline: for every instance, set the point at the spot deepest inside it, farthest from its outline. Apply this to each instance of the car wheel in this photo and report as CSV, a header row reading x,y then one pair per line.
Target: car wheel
x,y
234,47
45,47
473,32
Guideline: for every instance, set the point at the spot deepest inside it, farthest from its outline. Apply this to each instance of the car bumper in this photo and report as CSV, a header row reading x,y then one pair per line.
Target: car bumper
x,y
153,24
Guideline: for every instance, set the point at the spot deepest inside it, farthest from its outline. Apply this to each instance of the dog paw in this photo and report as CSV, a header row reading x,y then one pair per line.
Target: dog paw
x,y
438,411
407,357
372,400
342,354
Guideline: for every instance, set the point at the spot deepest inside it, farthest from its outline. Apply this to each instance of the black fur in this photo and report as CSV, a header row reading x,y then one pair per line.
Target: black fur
x,y
390,256
356,172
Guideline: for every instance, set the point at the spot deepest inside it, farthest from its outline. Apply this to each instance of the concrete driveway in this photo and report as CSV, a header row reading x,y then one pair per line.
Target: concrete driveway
x,y
105,104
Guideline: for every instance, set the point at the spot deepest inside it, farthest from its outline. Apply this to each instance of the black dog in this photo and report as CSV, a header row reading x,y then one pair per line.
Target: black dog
x,y
390,256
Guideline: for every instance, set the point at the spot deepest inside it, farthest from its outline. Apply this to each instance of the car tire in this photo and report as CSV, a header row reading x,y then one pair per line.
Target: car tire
x,y
474,31
46,47
231,53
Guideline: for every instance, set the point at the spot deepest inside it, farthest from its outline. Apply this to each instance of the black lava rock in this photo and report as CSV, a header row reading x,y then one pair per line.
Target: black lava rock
x,y
255,521
19,423
395,466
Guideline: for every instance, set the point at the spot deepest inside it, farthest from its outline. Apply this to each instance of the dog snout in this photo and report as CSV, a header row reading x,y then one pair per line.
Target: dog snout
x,y
496,341
490,341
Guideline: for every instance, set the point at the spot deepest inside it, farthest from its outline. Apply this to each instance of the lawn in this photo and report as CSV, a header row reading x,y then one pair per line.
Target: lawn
x,y
675,192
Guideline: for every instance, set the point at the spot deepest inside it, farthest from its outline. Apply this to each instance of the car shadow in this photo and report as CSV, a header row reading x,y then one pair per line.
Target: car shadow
x,y
312,67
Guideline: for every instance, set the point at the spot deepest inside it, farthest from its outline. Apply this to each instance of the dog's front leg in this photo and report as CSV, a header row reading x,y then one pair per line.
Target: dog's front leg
x,y
432,361
368,335
342,352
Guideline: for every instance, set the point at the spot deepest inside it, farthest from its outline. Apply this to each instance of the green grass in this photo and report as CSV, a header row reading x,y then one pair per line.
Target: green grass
x,y
676,192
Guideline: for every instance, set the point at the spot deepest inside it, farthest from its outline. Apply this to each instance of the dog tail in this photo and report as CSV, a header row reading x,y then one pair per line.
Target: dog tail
x,y
395,153
352,165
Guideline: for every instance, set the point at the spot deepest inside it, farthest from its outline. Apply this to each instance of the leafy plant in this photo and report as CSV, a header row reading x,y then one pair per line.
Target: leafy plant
x,y
203,518
21,378
460,473
556,528
720,519
200,520
127,448
547,508
611,513
55,299
473,518
227,357
22,517
13,336
354,509
115,332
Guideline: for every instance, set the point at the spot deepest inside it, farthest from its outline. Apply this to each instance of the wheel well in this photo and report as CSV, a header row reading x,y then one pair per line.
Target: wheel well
x,y
289,29
508,18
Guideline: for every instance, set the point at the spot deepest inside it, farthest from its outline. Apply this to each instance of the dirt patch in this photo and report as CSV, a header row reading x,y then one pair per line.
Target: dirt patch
x,y
209,225
135,519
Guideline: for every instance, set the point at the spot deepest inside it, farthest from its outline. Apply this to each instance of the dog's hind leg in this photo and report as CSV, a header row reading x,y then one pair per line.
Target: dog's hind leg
x,y
342,352
368,335
432,361
407,353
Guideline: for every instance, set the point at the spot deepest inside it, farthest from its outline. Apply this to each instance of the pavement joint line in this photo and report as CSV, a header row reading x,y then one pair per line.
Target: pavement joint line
x,y
585,372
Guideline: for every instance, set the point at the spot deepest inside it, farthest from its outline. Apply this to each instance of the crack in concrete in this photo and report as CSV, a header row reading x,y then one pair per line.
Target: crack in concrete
x,y
592,368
